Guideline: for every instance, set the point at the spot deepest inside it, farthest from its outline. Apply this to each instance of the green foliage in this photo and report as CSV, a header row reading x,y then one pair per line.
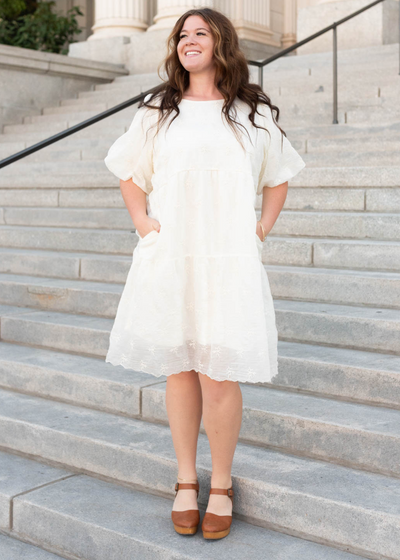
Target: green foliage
x,y
11,9
33,25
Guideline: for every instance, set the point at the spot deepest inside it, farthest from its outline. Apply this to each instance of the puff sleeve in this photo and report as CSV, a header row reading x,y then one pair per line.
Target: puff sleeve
x,y
131,155
280,160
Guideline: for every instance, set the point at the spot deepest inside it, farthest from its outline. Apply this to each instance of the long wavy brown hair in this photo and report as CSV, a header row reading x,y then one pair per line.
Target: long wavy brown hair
x,y
231,76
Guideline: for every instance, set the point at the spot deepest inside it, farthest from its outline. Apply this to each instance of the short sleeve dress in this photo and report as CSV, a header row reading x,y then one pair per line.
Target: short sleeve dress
x,y
197,295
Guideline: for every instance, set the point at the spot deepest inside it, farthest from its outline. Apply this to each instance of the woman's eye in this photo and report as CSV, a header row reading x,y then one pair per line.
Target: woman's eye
x,y
199,33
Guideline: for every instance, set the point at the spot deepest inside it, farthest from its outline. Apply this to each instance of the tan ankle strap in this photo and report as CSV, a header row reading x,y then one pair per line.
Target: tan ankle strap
x,y
227,491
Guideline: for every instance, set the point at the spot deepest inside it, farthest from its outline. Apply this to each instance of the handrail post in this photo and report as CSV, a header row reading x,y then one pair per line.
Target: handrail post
x,y
335,101
261,76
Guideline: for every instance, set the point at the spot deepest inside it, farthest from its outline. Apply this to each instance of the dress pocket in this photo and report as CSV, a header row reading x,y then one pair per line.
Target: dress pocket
x,y
147,244
260,245
258,239
149,234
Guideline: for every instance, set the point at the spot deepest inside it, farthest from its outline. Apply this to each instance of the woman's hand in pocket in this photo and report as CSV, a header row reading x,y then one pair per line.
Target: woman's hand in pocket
x,y
147,225
259,231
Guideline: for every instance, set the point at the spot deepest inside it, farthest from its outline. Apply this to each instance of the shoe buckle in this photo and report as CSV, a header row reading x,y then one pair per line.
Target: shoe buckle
x,y
176,486
230,492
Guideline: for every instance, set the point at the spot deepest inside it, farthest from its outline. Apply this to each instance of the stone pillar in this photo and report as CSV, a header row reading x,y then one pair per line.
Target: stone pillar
x,y
289,23
170,10
251,19
115,18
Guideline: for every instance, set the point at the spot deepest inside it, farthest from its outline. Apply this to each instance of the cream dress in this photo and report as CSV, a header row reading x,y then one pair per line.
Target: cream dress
x,y
197,295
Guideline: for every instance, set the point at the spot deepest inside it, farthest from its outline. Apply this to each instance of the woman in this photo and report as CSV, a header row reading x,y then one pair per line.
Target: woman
x,y
197,298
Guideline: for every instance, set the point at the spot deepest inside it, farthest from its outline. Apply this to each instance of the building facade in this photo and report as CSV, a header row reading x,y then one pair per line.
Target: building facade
x,y
264,26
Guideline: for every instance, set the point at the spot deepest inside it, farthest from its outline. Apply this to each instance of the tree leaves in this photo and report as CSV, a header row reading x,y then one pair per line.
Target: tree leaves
x,y
41,30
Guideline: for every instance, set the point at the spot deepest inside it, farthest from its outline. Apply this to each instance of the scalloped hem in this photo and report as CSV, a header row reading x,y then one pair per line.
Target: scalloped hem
x,y
234,377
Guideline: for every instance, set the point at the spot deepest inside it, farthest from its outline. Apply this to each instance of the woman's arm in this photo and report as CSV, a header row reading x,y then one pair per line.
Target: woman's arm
x,y
135,201
273,200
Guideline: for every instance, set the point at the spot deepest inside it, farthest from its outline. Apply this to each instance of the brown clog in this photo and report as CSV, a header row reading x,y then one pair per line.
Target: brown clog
x,y
186,522
217,526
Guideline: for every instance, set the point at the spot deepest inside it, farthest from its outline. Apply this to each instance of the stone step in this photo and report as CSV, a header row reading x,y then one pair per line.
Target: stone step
x,y
85,218
310,426
340,432
321,253
108,129
354,375
280,89
14,549
22,178
360,328
288,118
347,56
98,299
61,517
329,253
54,281
299,133
68,265
298,198
272,487
379,115
116,242
327,285
69,148
340,199
371,145
359,156
312,368
52,154
80,177
322,99
70,114
51,124
75,107
350,375
349,225
357,118
63,198
354,158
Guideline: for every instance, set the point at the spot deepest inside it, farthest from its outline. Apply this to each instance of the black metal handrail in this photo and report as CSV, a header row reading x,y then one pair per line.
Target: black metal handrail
x,y
333,26
137,98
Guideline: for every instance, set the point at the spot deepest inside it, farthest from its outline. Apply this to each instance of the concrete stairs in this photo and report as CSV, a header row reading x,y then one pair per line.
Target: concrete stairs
x,y
86,456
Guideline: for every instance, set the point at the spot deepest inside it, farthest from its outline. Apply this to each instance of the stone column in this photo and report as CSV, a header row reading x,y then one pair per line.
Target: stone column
x,y
115,18
170,10
289,23
251,19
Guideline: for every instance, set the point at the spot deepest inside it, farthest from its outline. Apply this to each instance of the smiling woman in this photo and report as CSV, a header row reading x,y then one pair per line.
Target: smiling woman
x,y
197,305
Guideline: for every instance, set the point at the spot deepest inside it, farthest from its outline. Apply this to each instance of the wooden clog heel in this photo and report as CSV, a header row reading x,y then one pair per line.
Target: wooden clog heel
x,y
217,526
186,522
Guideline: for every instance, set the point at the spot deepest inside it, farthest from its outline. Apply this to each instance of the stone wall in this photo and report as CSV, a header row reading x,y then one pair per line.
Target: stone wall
x,y
31,80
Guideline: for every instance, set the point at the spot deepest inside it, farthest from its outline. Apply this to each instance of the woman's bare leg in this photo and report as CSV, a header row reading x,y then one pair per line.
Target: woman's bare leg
x,y
222,418
184,409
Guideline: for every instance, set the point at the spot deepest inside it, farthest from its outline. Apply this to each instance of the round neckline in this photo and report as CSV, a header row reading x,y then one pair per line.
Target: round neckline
x,y
202,101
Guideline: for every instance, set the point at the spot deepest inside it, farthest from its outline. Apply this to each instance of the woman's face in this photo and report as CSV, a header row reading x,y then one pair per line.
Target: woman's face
x,y
195,47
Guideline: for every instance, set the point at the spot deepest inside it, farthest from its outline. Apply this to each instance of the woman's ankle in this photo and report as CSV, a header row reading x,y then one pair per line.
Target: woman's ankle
x,y
187,478
221,482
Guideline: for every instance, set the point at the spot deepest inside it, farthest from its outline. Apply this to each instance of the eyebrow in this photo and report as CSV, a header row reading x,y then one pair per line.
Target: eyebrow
x,y
196,29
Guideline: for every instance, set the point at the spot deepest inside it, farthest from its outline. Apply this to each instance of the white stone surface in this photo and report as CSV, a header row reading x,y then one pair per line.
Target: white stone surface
x,y
54,76
377,26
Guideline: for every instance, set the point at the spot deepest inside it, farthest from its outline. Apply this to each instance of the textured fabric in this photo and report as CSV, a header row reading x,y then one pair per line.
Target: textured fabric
x,y
197,295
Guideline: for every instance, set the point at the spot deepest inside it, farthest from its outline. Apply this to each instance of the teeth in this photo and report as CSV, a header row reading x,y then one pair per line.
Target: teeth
x,y
191,53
